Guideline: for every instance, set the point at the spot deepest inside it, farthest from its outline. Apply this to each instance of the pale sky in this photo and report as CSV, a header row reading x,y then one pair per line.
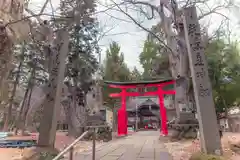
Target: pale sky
x,y
121,29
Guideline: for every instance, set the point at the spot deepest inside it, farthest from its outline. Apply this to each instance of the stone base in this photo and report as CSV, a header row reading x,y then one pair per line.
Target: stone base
x,y
164,138
102,134
179,134
184,127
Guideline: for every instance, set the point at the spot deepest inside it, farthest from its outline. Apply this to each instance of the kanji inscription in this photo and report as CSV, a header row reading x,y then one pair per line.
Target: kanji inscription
x,y
209,131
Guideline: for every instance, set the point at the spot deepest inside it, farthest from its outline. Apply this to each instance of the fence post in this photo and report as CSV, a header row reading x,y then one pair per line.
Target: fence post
x,y
94,145
71,153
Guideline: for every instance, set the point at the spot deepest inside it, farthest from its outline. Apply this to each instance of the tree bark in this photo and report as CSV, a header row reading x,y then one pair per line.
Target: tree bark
x,y
178,58
48,124
26,109
5,62
68,113
21,120
19,117
72,110
9,113
227,115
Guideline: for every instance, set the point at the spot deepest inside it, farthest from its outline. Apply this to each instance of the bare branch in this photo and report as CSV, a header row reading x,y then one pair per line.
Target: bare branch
x,y
153,7
50,1
120,19
44,6
37,16
213,10
145,29
105,33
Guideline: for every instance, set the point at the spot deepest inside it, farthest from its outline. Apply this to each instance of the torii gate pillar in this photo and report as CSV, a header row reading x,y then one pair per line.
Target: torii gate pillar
x,y
122,115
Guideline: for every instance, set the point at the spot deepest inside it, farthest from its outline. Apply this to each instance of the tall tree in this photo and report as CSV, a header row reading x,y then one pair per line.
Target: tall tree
x,y
154,61
81,61
114,69
224,64
33,73
135,75
16,74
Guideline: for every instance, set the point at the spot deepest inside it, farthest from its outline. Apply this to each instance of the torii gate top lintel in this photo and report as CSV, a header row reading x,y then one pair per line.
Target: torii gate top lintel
x,y
154,83
160,84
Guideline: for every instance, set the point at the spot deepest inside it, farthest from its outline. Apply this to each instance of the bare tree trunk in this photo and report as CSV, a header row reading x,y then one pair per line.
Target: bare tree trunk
x,y
72,109
227,115
74,93
26,109
69,115
25,103
5,62
19,118
178,58
9,113
48,124
85,114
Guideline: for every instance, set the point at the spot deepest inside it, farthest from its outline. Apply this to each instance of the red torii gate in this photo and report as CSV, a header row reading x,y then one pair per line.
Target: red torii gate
x,y
122,114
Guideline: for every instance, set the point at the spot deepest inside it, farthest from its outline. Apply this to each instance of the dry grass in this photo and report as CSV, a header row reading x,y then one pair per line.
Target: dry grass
x,y
185,149
14,153
61,142
39,154
201,156
10,153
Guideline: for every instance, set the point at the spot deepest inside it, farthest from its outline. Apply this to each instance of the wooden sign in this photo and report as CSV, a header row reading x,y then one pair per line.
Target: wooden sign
x,y
209,130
